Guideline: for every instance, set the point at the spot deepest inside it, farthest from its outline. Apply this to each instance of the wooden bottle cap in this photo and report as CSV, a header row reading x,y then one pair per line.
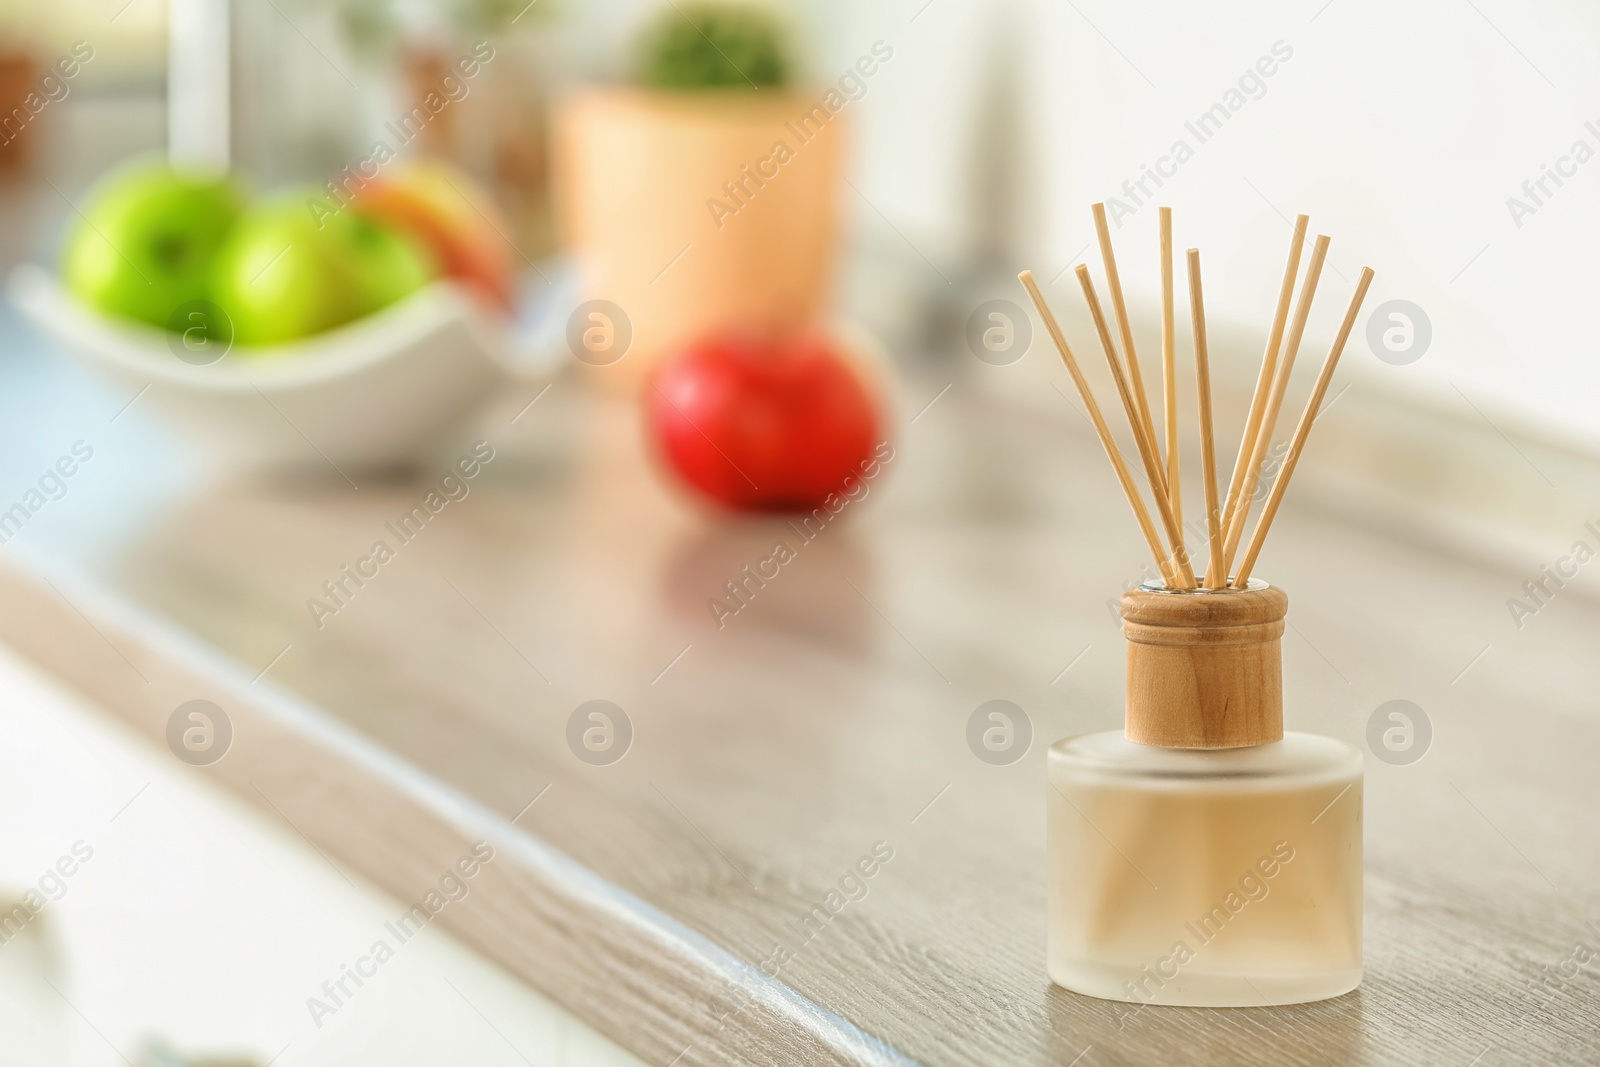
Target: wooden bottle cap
x,y
1205,667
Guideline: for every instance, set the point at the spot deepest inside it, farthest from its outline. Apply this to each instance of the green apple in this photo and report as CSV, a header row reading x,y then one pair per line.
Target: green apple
x,y
387,263
284,274
143,245
274,279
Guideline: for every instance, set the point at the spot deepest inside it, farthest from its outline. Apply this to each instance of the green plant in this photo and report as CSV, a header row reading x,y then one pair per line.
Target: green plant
x,y
715,45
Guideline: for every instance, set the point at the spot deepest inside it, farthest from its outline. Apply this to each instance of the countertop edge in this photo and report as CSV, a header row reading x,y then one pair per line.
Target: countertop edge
x,y
642,978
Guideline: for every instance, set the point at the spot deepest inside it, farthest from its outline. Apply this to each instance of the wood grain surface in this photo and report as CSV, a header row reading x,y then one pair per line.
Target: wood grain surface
x,y
817,728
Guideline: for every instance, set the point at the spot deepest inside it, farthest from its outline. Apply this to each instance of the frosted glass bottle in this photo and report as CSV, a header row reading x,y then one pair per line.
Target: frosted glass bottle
x,y
1203,857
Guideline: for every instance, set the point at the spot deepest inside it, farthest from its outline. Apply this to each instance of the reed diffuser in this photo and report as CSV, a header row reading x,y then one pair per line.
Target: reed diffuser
x,y
1202,856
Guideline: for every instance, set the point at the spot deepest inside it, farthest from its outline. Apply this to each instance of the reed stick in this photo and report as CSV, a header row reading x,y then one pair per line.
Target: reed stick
x,y
1169,371
1269,414
1108,260
1269,363
1269,510
1145,442
1140,513
1216,573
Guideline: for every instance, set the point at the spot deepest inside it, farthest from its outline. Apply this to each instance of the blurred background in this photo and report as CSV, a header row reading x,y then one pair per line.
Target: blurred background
x,y
399,221
1404,134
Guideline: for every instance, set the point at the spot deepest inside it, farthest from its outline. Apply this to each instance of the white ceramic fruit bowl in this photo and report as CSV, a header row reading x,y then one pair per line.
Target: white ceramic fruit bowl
x,y
375,393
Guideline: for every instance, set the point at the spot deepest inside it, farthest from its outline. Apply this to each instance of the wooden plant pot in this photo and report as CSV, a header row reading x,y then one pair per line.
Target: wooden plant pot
x,y
698,211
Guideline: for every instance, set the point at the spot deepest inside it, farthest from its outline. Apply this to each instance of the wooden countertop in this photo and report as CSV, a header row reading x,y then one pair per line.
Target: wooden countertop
x,y
823,722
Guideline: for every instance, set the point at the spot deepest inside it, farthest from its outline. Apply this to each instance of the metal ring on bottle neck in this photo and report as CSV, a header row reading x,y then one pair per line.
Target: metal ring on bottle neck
x,y
1160,586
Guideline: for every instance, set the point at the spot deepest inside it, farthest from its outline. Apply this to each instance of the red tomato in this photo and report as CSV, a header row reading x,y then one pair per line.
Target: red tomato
x,y
762,424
